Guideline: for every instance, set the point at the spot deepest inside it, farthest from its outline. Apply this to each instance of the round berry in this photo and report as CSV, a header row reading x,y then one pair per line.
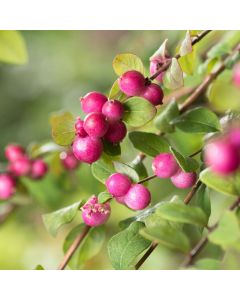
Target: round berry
x,y
93,102
138,197
153,93
87,149
94,213
132,83
21,167
116,132
120,200
113,110
68,160
221,156
236,75
79,128
183,180
164,165
154,66
7,186
95,124
39,169
234,136
118,184
14,152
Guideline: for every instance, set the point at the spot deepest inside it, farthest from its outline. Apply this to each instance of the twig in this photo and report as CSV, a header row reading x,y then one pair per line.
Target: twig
x,y
147,178
190,195
146,255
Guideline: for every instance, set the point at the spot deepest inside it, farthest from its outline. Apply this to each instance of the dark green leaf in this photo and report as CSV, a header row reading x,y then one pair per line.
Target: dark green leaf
x,y
127,170
188,164
163,120
173,78
126,62
111,149
102,169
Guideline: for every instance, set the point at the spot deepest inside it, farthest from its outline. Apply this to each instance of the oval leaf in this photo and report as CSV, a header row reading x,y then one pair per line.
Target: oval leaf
x,y
102,169
125,62
116,93
163,120
104,196
187,164
127,170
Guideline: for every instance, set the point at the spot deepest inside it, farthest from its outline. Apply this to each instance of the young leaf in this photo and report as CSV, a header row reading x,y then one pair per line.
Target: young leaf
x,y
111,149
173,78
186,45
126,62
104,196
116,93
39,267
127,170
53,221
149,143
138,111
163,120
102,169
124,247
189,62
203,199
63,131
188,164
162,50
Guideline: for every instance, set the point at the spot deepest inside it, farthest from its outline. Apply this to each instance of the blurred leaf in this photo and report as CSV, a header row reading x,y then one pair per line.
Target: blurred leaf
x,y
39,267
102,169
186,45
139,167
53,221
208,264
161,51
39,149
208,65
138,111
203,199
149,143
126,62
111,149
173,77
231,259
124,247
104,196
63,130
163,120
187,164
12,47
127,170
115,92
188,62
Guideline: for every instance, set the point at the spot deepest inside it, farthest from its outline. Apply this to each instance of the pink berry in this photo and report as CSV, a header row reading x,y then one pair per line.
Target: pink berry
x,y
221,156
68,160
132,83
79,128
154,66
234,136
164,165
87,149
21,167
94,213
153,93
116,132
7,186
93,102
95,124
236,75
118,184
39,169
14,152
138,197
120,200
113,110
183,180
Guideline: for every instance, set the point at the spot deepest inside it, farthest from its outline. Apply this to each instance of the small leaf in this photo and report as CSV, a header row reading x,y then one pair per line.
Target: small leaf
x,y
163,120
53,221
203,199
187,164
102,169
189,62
186,45
115,92
104,196
39,267
127,170
149,143
162,50
111,149
63,130
138,111
139,167
208,264
126,62
124,247
173,78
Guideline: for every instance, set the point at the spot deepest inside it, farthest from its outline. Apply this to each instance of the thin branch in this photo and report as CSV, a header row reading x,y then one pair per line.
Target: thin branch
x,y
147,178
146,255
192,192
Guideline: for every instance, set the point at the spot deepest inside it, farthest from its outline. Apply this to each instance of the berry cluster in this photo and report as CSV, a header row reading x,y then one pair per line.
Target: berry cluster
x,y
19,165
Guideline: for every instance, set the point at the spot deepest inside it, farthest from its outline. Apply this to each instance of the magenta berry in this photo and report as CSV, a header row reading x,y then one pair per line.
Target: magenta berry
x,y
116,132
95,124
153,93
7,186
155,64
87,149
132,83
14,152
183,180
118,184
68,160
21,167
39,169
221,156
236,75
80,131
93,102
138,197
94,213
113,110
234,136
164,165
120,200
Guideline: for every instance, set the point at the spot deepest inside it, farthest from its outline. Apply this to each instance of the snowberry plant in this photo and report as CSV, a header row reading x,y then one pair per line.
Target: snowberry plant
x,y
166,112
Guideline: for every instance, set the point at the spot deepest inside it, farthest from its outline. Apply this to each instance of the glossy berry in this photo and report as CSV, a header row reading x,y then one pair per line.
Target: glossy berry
x,y
113,110
138,197
80,131
131,83
153,93
164,165
155,64
94,213
39,169
221,156
93,102
234,136
183,180
236,75
21,167
116,132
14,152
95,124
87,149
118,184
69,161
120,200
7,186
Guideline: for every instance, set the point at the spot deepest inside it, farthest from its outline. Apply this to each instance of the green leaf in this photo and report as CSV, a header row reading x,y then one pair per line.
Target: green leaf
x,y
208,264
139,167
124,247
188,62
203,199
149,143
163,120
102,169
53,221
179,212
116,93
126,62
138,111
104,196
111,149
187,164
198,120
173,78
39,267
12,47
186,45
127,170
63,131
90,246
